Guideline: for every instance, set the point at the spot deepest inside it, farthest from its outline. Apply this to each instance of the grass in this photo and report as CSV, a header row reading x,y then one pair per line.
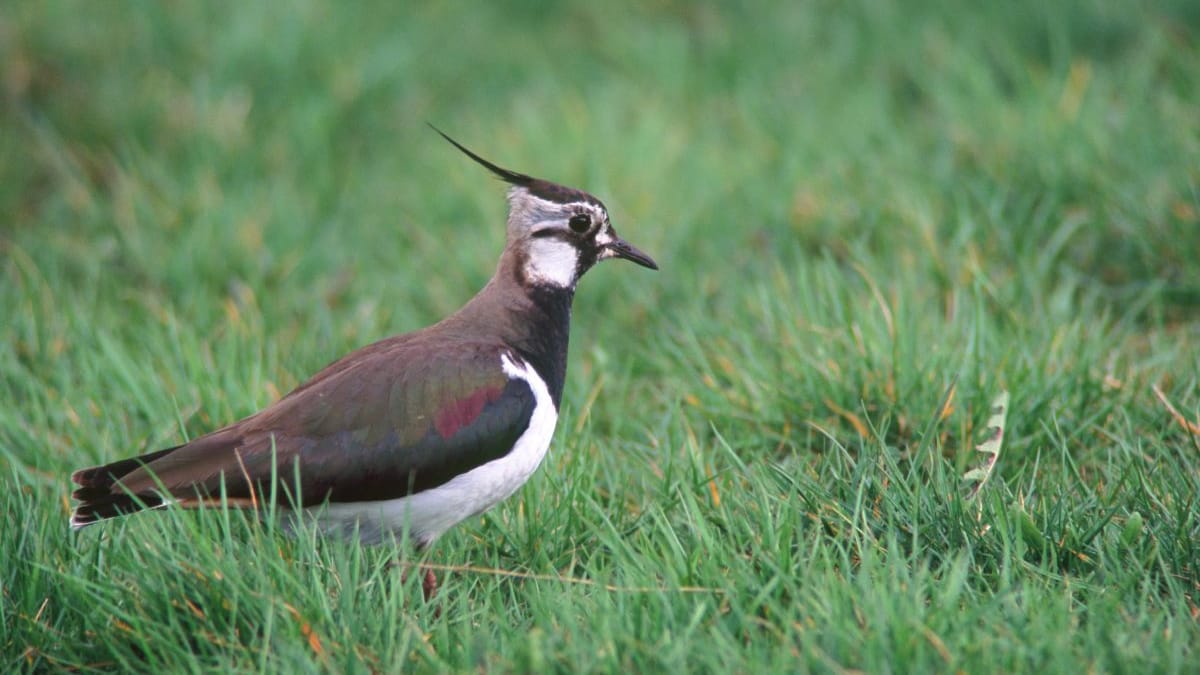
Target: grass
x,y
872,219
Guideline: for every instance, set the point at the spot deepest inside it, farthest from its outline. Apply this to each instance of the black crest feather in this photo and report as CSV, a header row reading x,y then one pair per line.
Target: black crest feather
x,y
536,186
504,174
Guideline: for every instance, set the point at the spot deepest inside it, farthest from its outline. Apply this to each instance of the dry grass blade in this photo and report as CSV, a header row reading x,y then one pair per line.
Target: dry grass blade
x,y
1184,422
496,572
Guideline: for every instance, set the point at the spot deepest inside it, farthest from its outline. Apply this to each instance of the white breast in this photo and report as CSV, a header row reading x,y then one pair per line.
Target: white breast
x,y
427,514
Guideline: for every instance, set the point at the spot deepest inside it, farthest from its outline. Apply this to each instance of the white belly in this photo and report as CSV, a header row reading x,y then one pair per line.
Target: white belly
x,y
427,514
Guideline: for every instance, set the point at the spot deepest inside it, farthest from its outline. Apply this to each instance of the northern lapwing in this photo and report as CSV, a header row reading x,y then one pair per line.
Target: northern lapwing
x,y
412,434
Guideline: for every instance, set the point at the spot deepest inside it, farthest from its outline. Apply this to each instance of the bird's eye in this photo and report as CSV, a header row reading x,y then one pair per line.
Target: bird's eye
x,y
580,222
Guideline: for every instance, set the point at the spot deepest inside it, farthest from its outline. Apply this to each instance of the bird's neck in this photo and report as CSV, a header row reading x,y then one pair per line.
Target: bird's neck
x,y
535,320
543,341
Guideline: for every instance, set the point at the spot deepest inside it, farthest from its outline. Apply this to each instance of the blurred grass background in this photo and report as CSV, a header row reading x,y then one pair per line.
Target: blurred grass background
x,y
871,217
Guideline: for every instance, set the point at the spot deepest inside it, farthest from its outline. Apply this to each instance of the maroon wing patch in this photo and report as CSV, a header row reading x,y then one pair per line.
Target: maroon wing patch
x,y
462,412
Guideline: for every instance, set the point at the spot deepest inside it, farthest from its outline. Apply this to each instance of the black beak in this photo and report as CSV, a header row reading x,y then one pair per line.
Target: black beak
x,y
623,249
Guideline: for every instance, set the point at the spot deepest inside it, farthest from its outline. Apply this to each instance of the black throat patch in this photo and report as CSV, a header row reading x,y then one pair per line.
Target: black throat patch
x,y
547,334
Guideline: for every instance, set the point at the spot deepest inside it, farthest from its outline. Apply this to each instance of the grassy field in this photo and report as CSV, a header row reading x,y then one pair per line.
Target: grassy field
x,y
872,218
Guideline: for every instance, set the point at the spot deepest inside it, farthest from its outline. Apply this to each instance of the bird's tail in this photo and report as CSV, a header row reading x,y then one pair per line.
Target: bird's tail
x,y
101,496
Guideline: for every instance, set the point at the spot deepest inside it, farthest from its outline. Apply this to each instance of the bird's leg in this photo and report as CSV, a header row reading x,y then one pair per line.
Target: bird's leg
x,y
429,581
429,584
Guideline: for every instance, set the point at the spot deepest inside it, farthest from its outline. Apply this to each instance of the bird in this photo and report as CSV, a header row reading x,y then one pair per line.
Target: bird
x,y
410,435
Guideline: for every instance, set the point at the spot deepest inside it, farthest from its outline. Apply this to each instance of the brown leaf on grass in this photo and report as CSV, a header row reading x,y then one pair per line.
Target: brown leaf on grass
x,y
712,486
948,406
199,613
314,641
848,416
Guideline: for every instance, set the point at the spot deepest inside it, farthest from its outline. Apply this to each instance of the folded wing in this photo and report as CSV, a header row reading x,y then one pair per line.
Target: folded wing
x,y
373,426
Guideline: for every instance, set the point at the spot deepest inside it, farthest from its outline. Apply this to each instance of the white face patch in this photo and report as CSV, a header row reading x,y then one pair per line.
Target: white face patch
x,y
605,236
552,261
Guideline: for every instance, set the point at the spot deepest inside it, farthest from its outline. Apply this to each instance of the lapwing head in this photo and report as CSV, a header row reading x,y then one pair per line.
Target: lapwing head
x,y
557,233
